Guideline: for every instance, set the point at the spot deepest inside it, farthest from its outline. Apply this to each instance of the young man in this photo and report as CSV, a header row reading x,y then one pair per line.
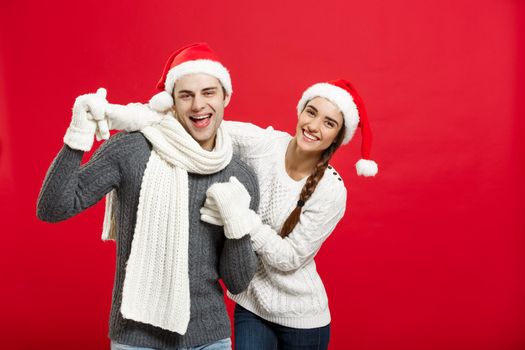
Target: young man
x,y
166,293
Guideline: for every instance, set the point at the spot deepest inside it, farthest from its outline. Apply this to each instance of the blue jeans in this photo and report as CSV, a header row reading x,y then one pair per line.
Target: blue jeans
x,y
255,333
223,344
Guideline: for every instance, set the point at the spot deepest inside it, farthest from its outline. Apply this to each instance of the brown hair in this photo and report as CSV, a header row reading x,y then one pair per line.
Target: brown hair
x,y
311,183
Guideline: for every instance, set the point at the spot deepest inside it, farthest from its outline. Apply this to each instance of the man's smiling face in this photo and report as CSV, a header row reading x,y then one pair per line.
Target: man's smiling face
x,y
199,106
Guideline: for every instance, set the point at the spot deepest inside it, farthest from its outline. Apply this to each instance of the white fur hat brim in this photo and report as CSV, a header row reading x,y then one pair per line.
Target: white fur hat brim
x,y
204,66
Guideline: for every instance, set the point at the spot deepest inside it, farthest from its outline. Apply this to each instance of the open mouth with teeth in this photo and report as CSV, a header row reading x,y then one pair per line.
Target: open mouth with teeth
x,y
201,121
309,137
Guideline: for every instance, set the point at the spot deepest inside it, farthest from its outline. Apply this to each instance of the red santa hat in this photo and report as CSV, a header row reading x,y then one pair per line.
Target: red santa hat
x,y
190,59
342,93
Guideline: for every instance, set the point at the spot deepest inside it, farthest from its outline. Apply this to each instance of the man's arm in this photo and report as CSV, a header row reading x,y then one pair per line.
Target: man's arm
x,y
69,187
238,261
238,264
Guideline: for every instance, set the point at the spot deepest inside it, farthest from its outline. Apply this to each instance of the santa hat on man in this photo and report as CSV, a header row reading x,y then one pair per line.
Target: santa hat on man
x,y
191,59
342,93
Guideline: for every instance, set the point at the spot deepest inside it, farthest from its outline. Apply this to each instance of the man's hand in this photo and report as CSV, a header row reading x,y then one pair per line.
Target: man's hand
x,y
86,109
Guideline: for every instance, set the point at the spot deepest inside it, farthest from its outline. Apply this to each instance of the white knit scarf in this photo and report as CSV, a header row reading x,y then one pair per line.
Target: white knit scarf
x,y
156,286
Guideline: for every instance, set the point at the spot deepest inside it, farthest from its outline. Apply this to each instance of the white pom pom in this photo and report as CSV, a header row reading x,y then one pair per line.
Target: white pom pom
x,y
366,167
161,102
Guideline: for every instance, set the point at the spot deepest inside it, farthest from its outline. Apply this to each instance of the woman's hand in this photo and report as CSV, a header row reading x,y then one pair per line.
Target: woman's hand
x,y
210,213
131,117
230,201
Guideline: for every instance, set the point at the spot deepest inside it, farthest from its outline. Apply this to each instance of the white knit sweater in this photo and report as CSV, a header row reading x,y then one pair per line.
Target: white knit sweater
x,y
286,289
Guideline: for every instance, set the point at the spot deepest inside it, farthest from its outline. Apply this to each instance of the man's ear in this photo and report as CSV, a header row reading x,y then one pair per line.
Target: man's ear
x,y
227,100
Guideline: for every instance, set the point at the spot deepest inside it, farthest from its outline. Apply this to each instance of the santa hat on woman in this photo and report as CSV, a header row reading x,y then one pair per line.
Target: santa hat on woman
x,y
342,93
191,59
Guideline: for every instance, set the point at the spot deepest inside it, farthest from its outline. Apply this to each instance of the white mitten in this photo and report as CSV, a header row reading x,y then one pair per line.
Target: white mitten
x,y
82,129
131,117
233,202
210,213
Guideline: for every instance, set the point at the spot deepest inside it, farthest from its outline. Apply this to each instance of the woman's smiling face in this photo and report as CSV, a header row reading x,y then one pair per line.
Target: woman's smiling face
x,y
318,125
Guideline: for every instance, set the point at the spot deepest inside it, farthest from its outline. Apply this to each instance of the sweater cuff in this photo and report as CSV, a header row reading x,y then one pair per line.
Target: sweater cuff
x,y
259,236
241,225
79,139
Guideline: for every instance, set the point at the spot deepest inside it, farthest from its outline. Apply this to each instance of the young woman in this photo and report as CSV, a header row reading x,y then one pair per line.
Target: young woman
x,y
302,198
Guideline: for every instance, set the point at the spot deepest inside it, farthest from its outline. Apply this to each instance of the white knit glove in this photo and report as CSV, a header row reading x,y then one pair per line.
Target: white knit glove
x,y
233,203
131,117
84,124
210,213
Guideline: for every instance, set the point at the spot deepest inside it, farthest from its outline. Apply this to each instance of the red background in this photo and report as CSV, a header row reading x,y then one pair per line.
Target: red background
x,y
430,254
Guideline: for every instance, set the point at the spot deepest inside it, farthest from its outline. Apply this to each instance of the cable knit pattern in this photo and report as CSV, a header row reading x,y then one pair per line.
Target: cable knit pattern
x,y
119,164
286,289
156,287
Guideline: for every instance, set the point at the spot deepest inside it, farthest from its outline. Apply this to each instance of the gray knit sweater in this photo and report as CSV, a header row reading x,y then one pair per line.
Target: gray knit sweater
x,y
69,188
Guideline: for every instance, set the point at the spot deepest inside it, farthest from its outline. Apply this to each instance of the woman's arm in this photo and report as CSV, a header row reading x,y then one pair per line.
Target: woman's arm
x,y
316,223
249,140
